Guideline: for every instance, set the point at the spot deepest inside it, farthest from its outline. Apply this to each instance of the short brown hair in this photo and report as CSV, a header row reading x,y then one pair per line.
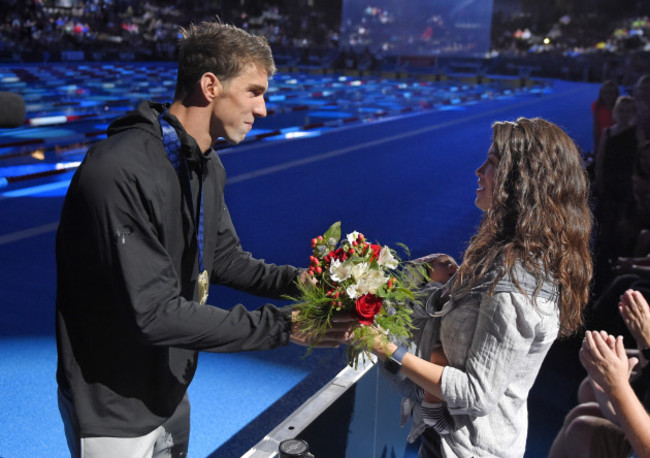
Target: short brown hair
x,y
221,49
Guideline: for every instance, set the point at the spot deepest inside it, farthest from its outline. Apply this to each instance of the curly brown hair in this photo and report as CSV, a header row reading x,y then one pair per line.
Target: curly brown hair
x,y
221,49
539,216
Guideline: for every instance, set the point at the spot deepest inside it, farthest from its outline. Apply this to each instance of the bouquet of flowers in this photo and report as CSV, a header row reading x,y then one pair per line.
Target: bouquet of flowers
x,y
358,277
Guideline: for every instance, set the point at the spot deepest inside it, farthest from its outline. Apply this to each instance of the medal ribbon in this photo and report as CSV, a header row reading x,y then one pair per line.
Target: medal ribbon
x,y
173,149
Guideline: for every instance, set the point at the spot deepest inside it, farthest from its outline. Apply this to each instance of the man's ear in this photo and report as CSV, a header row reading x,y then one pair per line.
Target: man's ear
x,y
211,86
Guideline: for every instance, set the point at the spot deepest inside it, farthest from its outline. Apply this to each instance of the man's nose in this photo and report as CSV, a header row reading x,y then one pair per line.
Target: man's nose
x,y
260,110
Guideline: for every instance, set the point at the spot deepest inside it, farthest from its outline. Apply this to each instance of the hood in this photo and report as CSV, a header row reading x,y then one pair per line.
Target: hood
x,y
144,117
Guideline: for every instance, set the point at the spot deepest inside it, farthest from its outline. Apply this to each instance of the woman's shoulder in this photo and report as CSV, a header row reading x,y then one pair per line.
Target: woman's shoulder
x,y
523,285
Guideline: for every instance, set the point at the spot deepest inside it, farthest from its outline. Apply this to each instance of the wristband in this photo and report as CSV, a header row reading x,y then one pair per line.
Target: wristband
x,y
393,363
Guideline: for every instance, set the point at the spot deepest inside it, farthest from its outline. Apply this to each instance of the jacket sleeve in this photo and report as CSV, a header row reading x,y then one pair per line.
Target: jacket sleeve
x,y
234,267
504,335
116,225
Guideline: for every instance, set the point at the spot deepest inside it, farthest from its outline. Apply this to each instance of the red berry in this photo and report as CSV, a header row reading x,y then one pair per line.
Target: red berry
x,y
320,237
313,242
319,270
354,243
360,237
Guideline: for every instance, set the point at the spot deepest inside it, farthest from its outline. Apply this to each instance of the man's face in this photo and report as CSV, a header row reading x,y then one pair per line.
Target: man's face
x,y
239,103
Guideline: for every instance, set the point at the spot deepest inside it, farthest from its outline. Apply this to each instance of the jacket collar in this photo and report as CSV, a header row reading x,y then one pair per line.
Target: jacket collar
x,y
189,147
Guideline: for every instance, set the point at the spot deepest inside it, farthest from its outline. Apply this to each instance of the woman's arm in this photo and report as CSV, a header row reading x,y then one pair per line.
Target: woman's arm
x,y
606,362
437,357
500,348
423,373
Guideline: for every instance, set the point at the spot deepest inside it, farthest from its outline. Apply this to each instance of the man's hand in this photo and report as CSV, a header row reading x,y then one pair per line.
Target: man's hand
x,y
306,279
340,332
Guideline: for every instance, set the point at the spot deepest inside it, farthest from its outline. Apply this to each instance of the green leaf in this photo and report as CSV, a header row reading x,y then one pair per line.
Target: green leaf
x,y
334,232
405,291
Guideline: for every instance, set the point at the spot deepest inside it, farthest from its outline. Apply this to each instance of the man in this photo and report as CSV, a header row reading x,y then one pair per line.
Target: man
x,y
143,226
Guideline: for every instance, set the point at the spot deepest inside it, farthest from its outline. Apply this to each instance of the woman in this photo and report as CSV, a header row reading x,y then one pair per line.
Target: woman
x,y
602,108
615,166
523,281
629,241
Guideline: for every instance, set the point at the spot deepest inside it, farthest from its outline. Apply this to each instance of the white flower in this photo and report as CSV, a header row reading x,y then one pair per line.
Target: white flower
x,y
372,281
367,280
340,271
359,271
352,292
352,237
386,258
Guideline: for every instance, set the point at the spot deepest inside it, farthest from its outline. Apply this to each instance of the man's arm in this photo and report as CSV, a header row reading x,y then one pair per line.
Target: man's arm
x,y
234,267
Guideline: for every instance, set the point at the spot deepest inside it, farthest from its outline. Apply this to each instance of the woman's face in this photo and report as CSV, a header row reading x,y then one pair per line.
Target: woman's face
x,y
624,113
485,174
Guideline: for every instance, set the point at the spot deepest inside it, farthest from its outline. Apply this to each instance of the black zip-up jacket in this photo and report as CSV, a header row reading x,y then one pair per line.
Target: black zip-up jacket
x,y
128,324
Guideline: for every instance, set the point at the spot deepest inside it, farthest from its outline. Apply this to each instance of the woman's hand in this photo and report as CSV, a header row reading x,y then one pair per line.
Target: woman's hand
x,y
605,360
636,315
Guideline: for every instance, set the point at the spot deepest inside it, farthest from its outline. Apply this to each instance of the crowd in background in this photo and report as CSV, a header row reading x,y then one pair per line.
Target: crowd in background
x,y
611,417
41,29
588,46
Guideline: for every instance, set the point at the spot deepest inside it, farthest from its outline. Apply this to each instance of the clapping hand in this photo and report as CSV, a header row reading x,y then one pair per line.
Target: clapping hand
x,y
636,315
605,359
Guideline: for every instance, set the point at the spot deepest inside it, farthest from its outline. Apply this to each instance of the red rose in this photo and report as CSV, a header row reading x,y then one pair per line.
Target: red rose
x,y
376,249
368,306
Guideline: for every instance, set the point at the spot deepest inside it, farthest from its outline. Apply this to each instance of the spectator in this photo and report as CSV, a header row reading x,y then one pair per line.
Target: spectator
x,y
630,240
615,163
602,109
628,428
595,427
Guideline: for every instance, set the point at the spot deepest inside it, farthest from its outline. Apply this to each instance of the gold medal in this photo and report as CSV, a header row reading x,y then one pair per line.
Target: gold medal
x,y
204,285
